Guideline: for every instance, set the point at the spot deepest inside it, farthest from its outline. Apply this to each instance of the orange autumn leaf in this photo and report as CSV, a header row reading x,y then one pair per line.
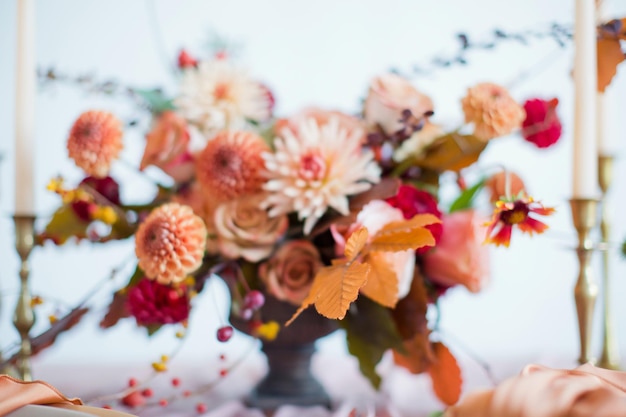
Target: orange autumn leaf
x,y
382,281
405,234
418,354
334,289
610,55
445,374
356,243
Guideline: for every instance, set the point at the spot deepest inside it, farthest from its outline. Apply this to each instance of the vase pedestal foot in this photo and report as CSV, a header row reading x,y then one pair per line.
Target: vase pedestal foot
x,y
289,380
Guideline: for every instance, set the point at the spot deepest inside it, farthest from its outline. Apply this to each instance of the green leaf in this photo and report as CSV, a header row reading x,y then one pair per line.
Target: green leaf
x,y
466,199
153,328
64,225
436,414
155,100
370,333
135,278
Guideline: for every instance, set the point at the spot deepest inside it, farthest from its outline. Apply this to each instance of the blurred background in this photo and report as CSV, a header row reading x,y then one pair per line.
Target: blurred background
x,y
320,53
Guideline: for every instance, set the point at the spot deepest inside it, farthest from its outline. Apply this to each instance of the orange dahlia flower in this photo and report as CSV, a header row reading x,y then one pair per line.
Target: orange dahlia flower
x,y
231,165
170,243
492,110
95,141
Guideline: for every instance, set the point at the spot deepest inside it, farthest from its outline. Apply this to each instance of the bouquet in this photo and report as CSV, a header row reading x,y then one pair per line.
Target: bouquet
x,y
321,209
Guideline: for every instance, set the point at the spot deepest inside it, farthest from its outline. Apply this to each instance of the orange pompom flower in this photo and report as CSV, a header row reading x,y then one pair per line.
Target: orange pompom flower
x,y
231,165
95,141
170,243
515,213
492,110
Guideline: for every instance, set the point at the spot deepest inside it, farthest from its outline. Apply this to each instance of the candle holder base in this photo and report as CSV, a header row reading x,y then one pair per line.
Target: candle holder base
x,y
584,217
24,317
610,351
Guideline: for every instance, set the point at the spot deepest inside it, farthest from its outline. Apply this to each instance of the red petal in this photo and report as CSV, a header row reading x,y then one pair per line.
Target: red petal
x,y
532,226
543,211
503,237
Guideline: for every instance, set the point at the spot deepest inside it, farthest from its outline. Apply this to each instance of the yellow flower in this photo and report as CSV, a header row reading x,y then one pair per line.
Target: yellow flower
x,y
269,330
106,214
55,184
159,366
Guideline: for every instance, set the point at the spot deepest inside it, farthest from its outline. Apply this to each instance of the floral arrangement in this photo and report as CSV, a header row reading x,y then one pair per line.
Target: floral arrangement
x,y
321,208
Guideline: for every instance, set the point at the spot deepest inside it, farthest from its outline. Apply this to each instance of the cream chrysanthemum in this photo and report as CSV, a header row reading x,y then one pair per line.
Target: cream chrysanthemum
x,y
170,243
231,165
95,140
492,110
217,96
317,168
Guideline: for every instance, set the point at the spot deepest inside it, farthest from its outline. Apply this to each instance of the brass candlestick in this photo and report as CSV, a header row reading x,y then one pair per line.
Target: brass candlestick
x,y
24,317
584,217
610,356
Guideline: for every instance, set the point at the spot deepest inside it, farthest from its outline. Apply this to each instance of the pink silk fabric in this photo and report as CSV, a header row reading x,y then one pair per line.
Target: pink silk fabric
x,y
15,394
586,391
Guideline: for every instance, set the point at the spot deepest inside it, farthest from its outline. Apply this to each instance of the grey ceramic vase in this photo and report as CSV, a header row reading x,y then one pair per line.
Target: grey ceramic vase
x,y
289,379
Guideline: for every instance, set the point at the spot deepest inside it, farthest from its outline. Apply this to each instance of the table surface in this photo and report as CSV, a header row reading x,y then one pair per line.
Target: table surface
x,y
401,394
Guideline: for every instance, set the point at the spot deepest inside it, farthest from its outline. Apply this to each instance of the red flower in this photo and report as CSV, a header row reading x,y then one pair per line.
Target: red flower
x,y
515,213
542,125
153,303
185,60
106,187
412,201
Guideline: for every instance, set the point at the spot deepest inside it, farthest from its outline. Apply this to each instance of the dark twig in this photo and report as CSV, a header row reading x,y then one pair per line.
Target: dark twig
x,y
561,34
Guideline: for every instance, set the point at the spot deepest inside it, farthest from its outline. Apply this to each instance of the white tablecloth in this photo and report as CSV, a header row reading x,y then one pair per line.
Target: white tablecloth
x,y
401,395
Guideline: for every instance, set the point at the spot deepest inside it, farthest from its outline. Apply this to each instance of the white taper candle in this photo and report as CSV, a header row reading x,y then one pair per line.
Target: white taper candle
x,y
25,79
585,162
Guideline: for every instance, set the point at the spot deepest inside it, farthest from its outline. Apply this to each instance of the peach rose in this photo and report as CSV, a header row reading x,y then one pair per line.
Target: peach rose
x,y
460,256
166,147
373,216
542,392
245,230
389,95
288,274
321,117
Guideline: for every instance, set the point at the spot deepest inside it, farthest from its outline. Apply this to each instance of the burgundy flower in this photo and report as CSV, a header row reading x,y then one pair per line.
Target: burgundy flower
x,y
106,187
542,125
153,303
412,201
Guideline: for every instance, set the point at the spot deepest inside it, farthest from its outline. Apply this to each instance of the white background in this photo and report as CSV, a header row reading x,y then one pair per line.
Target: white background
x,y
323,53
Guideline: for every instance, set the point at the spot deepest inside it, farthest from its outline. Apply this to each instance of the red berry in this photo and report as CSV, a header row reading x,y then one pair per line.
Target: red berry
x,y
185,60
163,402
106,407
246,313
223,372
222,357
175,382
147,393
201,408
132,382
134,399
224,333
187,393
254,300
